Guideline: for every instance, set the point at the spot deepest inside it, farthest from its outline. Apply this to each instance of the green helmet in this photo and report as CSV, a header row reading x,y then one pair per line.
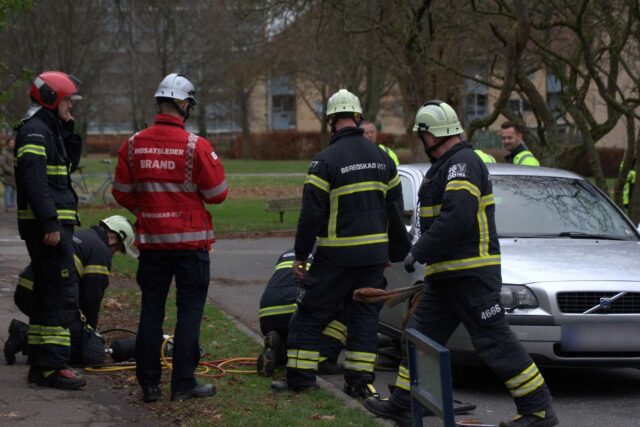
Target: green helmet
x,y
437,118
123,228
343,101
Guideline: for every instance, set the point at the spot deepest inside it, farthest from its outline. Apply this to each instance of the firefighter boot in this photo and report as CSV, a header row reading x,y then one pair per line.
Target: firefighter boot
x,y
17,340
64,379
386,409
546,418
283,385
361,390
269,358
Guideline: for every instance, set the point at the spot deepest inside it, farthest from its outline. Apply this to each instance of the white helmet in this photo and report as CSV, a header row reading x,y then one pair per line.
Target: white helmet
x,y
437,118
123,228
343,101
177,86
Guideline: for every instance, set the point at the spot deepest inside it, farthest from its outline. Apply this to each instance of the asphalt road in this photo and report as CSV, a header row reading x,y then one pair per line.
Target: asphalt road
x,y
582,397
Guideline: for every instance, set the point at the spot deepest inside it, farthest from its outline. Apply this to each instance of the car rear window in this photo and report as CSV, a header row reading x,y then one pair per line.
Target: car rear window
x,y
535,206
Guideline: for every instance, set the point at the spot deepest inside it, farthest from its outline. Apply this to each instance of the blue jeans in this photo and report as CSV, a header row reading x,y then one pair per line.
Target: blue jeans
x,y
9,196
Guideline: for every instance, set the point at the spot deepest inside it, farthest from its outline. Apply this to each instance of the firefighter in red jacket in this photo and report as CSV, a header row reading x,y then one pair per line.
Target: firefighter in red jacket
x,y
47,150
165,175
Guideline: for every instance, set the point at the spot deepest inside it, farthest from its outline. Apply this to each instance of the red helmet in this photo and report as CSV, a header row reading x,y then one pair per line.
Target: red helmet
x,y
50,87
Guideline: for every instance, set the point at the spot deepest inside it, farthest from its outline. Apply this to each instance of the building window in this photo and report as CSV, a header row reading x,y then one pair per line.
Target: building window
x,y
475,94
554,92
283,103
519,106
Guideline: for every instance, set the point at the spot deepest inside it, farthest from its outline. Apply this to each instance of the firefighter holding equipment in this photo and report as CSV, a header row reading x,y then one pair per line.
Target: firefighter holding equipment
x,y
459,245
277,305
47,150
165,175
344,209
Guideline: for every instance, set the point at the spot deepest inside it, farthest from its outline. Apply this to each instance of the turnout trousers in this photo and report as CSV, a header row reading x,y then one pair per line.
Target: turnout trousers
x,y
326,288
55,299
156,269
475,302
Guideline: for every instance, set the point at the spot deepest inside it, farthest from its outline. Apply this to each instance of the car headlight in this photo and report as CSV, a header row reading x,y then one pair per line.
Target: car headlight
x,y
517,296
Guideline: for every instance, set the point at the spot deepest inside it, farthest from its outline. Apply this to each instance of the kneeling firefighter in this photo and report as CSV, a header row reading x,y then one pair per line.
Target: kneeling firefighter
x,y
93,251
277,305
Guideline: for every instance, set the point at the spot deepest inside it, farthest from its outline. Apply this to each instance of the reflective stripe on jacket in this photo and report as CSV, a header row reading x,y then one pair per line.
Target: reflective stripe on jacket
x,y
45,155
457,225
391,153
344,204
487,158
521,156
165,175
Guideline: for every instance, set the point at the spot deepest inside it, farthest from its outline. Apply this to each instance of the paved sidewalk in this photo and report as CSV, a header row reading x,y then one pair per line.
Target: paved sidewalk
x,y
20,405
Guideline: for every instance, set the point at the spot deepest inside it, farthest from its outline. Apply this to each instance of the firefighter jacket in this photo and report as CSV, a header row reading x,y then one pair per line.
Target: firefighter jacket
x,y
457,226
164,176
92,258
344,202
46,152
279,297
521,156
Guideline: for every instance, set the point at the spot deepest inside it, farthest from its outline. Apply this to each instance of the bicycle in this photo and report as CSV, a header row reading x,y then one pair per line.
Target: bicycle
x,y
84,188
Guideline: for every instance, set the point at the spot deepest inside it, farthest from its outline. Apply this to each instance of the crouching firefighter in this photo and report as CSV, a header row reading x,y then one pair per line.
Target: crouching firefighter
x,y
344,208
93,251
277,305
459,244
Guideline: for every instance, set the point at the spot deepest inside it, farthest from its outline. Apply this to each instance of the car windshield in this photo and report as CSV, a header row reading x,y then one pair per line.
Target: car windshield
x,y
536,206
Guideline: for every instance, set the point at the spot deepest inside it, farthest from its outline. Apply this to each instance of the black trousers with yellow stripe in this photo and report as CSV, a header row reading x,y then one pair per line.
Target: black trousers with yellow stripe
x,y
476,303
325,289
334,336
55,299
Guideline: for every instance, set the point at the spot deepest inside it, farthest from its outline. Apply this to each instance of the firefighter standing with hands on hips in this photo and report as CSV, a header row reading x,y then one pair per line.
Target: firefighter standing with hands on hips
x,y
165,175
344,208
459,244
47,150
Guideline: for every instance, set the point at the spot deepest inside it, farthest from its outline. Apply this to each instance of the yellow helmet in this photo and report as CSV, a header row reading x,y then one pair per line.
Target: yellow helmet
x,y
123,228
437,118
343,101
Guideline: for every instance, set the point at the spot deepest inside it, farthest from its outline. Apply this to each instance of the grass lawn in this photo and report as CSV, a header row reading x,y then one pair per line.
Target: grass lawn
x,y
91,163
242,399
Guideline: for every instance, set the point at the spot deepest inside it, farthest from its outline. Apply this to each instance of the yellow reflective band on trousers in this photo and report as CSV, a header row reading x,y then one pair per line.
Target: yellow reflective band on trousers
x,y
525,382
430,211
25,283
277,310
46,335
462,264
57,170
303,359
337,331
403,381
62,214
318,182
38,150
359,361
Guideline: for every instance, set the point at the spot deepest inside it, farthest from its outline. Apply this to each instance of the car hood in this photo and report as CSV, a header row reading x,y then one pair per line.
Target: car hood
x,y
526,260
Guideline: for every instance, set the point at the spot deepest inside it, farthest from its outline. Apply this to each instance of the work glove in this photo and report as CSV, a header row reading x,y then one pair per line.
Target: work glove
x,y
408,263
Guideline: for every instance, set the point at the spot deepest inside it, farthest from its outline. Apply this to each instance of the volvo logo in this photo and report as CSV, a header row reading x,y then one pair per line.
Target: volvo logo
x,y
605,303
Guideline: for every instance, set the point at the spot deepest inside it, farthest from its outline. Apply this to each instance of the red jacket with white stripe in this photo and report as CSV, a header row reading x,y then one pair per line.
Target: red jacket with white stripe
x,y
164,176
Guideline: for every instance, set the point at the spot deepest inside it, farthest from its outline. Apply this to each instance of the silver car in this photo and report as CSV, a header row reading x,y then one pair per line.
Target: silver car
x,y
570,268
